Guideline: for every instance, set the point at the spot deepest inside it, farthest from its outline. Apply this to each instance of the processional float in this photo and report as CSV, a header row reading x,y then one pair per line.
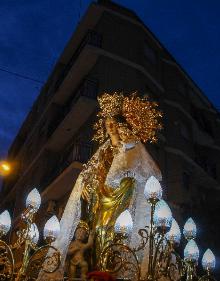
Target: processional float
x,y
114,185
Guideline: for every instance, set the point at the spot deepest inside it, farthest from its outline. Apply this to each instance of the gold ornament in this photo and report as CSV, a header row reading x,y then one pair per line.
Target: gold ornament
x,y
142,116
110,105
83,224
138,117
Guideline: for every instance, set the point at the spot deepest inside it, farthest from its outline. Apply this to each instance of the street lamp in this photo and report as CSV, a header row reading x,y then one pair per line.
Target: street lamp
x,y
5,168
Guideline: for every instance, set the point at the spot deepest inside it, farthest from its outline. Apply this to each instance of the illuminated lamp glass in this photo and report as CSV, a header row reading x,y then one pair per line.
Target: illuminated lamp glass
x,y
52,228
33,200
162,215
208,260
5,223
124,223
153,190
189,230
174,234
191,251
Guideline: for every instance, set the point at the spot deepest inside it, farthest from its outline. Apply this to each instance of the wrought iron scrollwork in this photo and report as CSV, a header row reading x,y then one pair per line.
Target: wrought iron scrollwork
x,y
46,258
207,277
6,262
119,260
167,264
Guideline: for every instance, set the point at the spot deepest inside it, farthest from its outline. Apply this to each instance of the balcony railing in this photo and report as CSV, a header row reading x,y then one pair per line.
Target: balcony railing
x,y
80,152
91,38
89,88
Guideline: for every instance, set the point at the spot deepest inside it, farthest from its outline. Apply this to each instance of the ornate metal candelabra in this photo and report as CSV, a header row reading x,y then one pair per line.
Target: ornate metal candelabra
x,y
158,243
46,258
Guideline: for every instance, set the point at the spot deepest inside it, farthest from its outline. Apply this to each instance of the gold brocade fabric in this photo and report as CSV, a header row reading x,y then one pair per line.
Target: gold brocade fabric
x,y
107,202
115,202
110,207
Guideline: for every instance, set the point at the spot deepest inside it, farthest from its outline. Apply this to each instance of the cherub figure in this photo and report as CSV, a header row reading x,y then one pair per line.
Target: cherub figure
x,y
77,249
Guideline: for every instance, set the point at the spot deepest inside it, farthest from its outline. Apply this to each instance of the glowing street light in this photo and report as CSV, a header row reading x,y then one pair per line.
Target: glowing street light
x,y
5,168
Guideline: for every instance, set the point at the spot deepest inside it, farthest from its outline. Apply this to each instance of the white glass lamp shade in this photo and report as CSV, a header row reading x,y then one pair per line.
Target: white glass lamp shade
x,y
153,190
189,229
33,200
5,222
191,251
124,223
33,233
174,234
162,215
208,260
52,228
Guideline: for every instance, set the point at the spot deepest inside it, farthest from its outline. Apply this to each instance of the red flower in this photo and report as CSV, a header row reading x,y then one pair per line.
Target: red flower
x,y
100,276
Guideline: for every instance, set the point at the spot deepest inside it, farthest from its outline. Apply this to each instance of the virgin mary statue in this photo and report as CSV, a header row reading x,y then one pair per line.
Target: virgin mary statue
x,y
113,180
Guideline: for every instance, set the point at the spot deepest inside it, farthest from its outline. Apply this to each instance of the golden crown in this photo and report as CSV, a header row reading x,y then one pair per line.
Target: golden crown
x,y
141,116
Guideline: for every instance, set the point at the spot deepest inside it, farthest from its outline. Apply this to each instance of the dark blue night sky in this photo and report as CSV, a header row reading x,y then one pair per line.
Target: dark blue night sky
x,y
33,33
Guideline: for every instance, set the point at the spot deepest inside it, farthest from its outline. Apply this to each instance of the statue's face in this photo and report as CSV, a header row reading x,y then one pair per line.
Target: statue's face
x,y
117,132
80,234
125,134
111,126
122,133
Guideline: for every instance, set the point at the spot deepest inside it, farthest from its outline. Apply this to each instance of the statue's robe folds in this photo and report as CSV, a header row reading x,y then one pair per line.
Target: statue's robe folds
x,y
129,160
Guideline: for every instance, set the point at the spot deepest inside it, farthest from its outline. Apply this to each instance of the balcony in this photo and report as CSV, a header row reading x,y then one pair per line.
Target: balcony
x,y
77,152
91,38
82,152
89,88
